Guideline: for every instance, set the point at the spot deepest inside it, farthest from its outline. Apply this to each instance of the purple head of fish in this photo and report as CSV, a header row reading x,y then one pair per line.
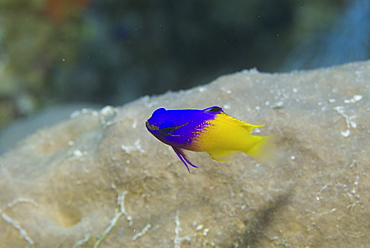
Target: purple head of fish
x,y
178,127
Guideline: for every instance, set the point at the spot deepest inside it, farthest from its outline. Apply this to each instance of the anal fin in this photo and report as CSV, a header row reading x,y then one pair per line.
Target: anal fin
x,y
220,155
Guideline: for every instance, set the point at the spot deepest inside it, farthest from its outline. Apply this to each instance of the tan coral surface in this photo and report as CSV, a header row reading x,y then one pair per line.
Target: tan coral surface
x,y
100,179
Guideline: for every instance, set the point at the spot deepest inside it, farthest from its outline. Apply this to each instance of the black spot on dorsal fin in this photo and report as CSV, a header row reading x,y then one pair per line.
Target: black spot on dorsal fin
x,y
214,109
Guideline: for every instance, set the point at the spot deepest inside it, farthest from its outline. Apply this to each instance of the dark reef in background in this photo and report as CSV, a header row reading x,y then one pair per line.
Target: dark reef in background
x,y
143,47
347,40
146,47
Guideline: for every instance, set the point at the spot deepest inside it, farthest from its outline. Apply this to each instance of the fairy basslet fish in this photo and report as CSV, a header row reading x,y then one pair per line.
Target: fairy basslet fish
x,y
209,130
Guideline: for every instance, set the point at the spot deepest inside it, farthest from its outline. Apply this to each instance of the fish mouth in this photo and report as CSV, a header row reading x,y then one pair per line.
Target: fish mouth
x,y
151,127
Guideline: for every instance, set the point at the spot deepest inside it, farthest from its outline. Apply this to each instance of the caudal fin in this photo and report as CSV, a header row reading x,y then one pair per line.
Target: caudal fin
x,y
263,148
259,147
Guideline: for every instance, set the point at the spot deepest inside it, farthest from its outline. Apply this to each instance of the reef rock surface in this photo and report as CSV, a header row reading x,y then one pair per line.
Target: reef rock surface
x,y
99,179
